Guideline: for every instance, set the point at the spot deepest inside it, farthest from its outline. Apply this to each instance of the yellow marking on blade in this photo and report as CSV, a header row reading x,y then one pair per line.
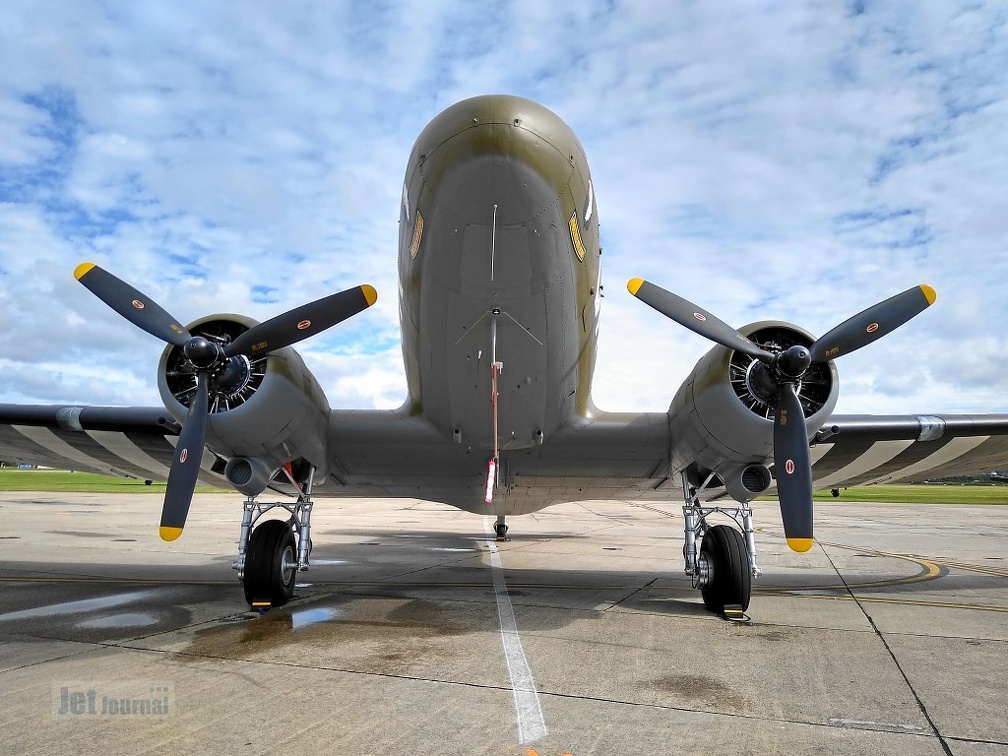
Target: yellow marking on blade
x,y
168,533
801,545
930,294
82,270
369,294
634,284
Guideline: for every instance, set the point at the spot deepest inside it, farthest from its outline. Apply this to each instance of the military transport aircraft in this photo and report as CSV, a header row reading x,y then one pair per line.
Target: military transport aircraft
x,y
499,279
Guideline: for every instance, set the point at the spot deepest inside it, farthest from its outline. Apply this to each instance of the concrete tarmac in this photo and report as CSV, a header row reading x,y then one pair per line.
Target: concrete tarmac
x,y
414,633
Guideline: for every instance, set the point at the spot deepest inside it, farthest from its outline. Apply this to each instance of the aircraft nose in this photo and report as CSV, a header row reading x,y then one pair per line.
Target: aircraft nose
x,y
508,153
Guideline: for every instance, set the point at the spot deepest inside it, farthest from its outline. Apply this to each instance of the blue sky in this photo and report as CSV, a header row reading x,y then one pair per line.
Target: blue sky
x,y
791,160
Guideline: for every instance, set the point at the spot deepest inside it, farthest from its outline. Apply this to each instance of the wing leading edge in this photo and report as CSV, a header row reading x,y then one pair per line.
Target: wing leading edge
x,y
610,456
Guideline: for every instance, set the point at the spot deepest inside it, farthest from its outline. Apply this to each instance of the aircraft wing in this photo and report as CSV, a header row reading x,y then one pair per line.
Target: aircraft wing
x,y
612,455
135,442
636,456
869,449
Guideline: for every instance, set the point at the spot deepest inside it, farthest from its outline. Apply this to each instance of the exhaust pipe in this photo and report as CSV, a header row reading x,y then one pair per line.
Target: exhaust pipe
x,y
248,474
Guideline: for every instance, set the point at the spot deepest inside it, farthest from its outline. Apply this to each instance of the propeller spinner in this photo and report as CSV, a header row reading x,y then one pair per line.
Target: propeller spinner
x,y
210,360
782,370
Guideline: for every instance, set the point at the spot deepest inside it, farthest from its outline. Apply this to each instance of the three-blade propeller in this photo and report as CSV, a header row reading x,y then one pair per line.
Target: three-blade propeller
x,y
785,368
209,359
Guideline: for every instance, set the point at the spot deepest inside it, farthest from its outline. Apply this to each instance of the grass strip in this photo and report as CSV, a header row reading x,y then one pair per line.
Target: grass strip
x,y
15,479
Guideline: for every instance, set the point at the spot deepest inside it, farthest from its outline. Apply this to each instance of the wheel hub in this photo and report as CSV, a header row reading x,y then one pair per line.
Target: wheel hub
x,y
705,571
288,564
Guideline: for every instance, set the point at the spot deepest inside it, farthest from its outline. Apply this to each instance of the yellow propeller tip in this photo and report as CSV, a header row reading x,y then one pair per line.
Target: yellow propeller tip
x,y
801,545
169,534
82,270
369,294
930,294
634,284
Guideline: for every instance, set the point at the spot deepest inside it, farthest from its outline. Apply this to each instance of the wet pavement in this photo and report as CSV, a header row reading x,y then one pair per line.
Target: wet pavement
x,y
415,633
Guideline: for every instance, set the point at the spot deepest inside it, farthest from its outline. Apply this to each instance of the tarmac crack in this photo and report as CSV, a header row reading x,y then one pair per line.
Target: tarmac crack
x,y
298,665
631,594
892,655
831,725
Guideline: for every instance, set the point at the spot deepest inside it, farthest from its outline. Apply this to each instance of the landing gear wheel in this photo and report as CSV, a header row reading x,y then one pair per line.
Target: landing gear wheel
x,y
729,581
501,530
270,564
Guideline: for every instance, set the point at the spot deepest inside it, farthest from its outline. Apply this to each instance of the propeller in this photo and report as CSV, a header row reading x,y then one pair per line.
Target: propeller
x,y
209,359
782,371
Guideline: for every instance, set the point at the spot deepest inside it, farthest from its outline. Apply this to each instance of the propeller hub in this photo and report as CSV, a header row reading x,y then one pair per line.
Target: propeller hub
x,y
760,384
201,352
234,376
793,361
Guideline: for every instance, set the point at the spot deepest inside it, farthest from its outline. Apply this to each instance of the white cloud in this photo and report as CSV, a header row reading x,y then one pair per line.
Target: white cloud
x,y
800,162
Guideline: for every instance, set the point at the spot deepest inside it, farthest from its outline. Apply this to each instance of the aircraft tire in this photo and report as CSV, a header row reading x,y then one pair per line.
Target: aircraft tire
x,y
731,577
270,546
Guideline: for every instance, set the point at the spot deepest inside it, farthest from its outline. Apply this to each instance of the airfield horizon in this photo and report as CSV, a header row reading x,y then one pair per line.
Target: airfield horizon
x,y
46,479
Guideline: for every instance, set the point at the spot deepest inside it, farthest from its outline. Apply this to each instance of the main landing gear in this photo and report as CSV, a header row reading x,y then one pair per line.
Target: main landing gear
x,y
725,564
269,556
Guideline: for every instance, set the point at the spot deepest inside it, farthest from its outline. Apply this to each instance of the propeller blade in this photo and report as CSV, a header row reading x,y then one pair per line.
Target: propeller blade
x,y
696,319
132,304
873,323
302,322
793,471
186,463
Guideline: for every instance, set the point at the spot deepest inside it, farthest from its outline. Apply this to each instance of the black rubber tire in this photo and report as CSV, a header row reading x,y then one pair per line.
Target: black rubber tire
x,y
265,579
731,577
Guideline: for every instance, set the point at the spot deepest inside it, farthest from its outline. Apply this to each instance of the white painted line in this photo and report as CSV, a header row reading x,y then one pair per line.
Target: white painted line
x,y
877,454
122,447
46,438
952,450
76,607
818,451
528,711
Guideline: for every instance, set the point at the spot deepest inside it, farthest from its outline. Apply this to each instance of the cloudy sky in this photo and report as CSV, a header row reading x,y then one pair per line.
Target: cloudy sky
x,y
790,160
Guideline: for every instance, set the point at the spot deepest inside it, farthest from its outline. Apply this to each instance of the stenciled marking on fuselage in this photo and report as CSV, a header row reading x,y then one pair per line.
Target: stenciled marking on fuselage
x,y
414,246
575,233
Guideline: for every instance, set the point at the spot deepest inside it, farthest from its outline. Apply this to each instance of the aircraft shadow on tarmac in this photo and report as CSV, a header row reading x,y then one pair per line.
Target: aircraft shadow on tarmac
x,y
417,584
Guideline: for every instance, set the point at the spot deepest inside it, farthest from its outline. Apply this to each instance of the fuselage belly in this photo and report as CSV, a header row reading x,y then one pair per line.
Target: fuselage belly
x,y
498,262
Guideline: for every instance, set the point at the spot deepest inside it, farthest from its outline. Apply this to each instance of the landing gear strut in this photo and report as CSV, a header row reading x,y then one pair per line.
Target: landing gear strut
x,y
268,557
725,564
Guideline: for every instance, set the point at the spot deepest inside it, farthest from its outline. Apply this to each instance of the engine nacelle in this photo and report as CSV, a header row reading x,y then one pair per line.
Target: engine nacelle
x,y
268,409
722,415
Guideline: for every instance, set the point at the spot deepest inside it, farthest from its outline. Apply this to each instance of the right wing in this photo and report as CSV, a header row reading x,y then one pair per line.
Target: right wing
x,y
870,449
133,442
